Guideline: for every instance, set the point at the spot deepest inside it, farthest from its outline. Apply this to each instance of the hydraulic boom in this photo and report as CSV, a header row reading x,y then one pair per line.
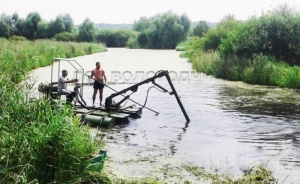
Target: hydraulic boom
x,y
109,105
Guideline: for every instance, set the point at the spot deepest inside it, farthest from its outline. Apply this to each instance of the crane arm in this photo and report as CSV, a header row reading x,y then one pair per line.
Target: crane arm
x,y
109,102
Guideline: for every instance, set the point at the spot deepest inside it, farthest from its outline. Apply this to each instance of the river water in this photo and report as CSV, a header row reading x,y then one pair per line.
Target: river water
x,y
233,125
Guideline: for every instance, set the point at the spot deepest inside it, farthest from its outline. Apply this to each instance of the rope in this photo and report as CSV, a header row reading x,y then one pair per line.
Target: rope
x,y
147,96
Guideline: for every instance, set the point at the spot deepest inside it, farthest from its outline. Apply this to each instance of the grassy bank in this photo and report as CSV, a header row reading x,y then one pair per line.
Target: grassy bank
x,y
264,70
261,50
38,144
19,57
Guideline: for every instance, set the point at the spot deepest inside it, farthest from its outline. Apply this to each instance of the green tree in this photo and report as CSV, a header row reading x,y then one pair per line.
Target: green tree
x,y
4,29
122,36
102,36
87,31
66,36
153,36
213,37
14,19
162,31
43,29
142,39
30,27
276,33
171,31
6,25
200,29
69,24
185,22
20,27
142,24
58,25
114,38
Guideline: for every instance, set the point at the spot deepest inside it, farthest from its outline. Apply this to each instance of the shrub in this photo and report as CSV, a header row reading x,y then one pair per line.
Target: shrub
x,y
132,43
18,38
66,36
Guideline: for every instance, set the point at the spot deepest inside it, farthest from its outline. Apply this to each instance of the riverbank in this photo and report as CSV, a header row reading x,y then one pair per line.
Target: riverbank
x,y
263,70
17,58
256,51
228,121
39,144
233,127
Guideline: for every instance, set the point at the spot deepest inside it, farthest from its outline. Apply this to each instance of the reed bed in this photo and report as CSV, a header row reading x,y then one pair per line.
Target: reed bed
x,y
264,70
18,57
38,143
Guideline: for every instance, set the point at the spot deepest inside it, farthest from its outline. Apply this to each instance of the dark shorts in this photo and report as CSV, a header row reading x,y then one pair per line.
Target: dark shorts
x,y
98,85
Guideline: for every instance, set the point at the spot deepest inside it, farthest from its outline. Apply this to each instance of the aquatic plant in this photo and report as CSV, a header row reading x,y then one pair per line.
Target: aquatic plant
x,y
254,174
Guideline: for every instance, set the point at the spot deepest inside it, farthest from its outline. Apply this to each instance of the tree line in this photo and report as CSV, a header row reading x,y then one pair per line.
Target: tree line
x,y
163,31
260,50
275,33
33,27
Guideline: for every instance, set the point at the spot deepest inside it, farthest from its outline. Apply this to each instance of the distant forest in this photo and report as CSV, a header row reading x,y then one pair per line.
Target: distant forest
x,y
129,26
163,31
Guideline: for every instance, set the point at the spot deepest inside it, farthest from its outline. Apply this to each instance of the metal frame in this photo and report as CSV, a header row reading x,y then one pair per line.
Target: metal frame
x,y
77,68
134,88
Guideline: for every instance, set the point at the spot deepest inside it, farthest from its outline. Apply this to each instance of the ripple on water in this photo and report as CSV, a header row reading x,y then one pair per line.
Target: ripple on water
x,y
233,125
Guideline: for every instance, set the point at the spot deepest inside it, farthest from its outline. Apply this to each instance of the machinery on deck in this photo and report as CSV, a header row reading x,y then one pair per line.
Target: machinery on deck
x,y
112,112
109,105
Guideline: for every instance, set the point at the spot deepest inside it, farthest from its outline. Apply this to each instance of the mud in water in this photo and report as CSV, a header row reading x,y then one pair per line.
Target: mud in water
x,y
233,125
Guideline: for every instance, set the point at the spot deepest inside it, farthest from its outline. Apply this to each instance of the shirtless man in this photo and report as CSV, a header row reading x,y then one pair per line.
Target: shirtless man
x,y
100,80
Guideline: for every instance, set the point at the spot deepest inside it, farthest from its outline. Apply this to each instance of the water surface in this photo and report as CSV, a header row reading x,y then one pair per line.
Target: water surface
x,y
233,125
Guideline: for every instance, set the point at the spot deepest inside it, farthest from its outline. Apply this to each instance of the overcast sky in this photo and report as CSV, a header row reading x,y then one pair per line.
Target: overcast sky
x,y
128,11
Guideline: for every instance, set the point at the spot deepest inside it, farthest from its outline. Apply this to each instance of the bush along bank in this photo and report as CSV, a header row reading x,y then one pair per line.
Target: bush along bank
x,y
264,70
263,50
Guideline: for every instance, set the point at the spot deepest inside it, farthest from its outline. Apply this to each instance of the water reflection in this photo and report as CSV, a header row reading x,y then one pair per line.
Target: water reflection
x,y
282,103
173,143
272,125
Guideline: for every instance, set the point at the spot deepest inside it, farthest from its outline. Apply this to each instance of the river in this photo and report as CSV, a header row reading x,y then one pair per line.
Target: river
x,y
232,127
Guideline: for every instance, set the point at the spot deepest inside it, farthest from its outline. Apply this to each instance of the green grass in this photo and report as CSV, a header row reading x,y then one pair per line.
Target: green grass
x,y
188,47
264,70
19,57
39,143
258,174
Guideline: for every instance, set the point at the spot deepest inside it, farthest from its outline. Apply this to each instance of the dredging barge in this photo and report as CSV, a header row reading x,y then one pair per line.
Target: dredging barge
x,y
113,112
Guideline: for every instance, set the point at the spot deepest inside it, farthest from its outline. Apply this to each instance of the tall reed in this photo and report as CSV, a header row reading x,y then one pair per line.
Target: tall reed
x,y
265,70
19,57
39,143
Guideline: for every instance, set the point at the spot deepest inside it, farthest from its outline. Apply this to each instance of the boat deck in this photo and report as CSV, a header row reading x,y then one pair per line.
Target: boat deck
x,y
99,116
